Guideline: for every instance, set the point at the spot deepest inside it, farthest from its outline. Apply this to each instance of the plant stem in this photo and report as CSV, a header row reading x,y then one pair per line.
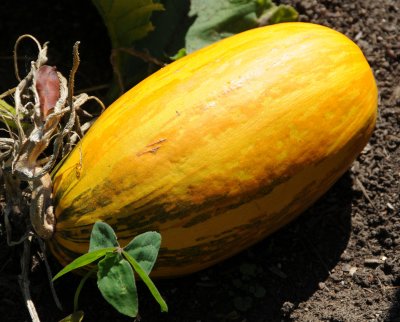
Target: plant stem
x,y
49,275
80,286
24,280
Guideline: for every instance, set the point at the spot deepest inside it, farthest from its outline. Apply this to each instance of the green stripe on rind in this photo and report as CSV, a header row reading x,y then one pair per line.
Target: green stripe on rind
x,y
215,248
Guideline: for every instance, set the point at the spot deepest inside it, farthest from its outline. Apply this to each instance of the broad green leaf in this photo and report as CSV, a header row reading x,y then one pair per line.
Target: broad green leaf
x,y
116,283
84,260
144,249
146,279
74,317
102,236
218,19
126,20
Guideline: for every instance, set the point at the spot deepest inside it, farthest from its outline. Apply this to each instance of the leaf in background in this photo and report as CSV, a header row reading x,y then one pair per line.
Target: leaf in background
x,y
102,236
277,14
126,20
218,19
144,249
7,113
117,284
170,27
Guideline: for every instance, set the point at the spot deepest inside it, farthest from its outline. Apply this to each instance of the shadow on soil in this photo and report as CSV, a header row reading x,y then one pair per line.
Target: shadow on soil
x,y
394,312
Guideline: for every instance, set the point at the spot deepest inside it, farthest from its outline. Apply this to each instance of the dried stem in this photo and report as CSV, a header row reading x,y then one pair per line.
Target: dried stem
x,y
49,275
20,38
33,126
24,279
7,93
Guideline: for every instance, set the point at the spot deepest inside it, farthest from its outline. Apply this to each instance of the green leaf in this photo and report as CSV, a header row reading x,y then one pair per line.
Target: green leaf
x,y
144,249
116,283
181,53
218,19
84,260
4,106
146,279
126,20
278,14
170,27
7,114
102,236
74,317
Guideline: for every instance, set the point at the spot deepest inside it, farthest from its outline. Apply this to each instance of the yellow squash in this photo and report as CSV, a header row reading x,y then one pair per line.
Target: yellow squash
x,y
221,148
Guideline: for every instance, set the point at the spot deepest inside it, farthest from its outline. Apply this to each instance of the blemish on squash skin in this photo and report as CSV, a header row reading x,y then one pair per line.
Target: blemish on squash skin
x,y
79,165
154,147
157,142
153,151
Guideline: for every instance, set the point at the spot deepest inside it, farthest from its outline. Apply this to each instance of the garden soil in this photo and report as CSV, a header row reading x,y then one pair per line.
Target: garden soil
x,y
339,261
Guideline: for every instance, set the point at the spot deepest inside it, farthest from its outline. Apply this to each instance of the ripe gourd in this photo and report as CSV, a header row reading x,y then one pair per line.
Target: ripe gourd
x,y
220,148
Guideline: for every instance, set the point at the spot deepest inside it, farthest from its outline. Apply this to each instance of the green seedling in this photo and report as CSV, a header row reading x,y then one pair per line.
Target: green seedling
x,y
116,268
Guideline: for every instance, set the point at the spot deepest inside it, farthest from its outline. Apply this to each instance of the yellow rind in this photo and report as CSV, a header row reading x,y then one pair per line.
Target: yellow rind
x,y
221,148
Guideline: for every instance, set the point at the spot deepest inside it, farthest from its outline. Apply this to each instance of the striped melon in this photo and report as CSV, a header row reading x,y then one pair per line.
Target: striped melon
x,y
221,148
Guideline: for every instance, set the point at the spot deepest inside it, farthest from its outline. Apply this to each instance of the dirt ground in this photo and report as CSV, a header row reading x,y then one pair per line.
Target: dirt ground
x,y
338,262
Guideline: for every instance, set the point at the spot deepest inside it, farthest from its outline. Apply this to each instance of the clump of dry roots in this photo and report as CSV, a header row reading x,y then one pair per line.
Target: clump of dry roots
x,y
40,130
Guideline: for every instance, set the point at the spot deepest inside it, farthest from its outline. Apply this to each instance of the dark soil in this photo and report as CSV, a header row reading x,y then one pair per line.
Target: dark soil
x,y
339,261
